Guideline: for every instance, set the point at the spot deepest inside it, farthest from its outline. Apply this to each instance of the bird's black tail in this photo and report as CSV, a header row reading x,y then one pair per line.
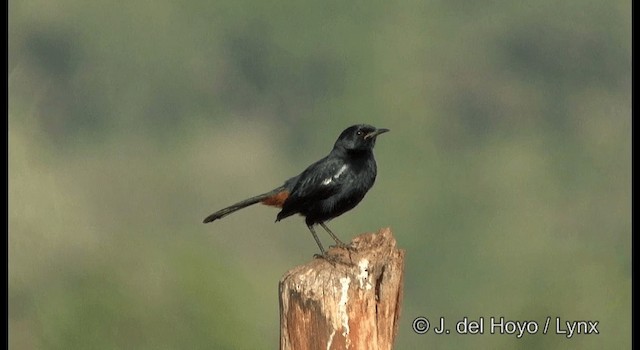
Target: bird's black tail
x,y
242,204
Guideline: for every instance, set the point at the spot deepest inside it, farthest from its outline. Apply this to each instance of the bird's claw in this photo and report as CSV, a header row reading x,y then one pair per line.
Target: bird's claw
x,y
345,246
334,259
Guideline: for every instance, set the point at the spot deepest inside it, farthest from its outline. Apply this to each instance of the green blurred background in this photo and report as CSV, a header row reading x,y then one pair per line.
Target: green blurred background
x,y
506,177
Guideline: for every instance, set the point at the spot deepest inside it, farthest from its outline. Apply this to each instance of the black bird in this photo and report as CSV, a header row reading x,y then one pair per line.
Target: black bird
x,y
327,188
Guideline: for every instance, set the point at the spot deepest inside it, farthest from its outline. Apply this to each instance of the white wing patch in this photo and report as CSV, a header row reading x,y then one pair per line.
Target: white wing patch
x,y
336,176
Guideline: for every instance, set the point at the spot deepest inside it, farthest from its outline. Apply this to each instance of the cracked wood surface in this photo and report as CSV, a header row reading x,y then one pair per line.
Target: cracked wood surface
x,y
351,301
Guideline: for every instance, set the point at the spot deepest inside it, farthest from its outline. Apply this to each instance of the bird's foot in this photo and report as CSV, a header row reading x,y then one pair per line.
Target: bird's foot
x,y
336,258
342,245
331,259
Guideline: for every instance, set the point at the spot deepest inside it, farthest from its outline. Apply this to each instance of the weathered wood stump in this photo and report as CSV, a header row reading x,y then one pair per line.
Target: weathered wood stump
x,y
350,301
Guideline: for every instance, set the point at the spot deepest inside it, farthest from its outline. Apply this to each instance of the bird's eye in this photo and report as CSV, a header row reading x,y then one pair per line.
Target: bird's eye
x,y
359,133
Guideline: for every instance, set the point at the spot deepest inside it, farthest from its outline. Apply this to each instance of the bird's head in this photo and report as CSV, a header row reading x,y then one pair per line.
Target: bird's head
x,y
361,137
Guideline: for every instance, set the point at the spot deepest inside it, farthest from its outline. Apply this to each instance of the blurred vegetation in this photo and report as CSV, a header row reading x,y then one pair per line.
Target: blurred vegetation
x,y
506,177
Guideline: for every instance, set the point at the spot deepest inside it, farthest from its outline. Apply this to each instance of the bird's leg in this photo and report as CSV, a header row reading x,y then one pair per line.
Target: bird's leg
x,y
313,232
340,243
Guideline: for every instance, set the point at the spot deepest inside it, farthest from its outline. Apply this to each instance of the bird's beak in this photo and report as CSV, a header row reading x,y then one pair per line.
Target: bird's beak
x,y
373,134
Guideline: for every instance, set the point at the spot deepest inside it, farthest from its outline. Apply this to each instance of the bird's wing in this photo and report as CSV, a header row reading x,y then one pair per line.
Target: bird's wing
x,y
319,181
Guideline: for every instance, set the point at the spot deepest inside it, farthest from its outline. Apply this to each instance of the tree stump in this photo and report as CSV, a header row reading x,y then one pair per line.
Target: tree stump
x,y
350,301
